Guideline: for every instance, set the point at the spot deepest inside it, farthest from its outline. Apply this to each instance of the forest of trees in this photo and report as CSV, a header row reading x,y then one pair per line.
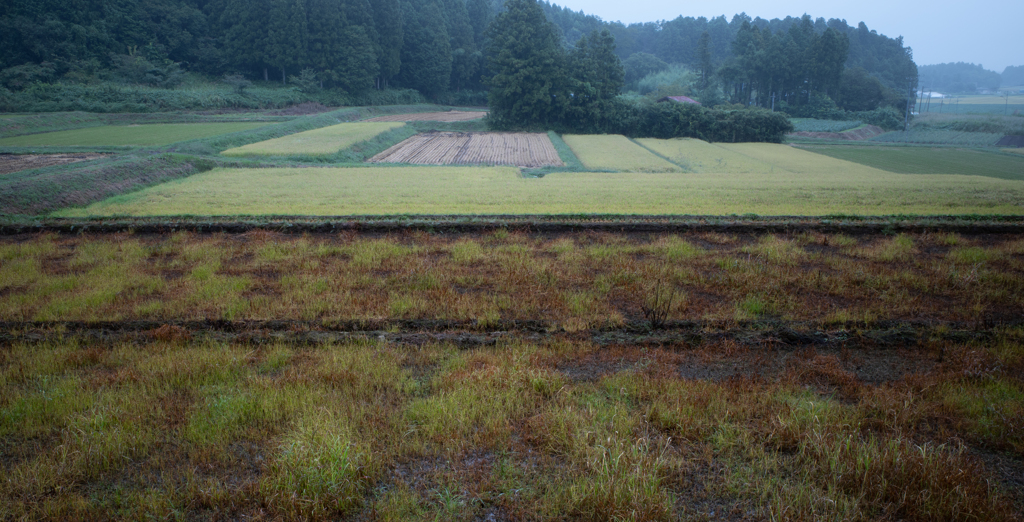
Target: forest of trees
x,y
438,47
959,78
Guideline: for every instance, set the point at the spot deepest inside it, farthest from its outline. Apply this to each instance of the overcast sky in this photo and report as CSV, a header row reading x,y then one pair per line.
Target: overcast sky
x,y
939,31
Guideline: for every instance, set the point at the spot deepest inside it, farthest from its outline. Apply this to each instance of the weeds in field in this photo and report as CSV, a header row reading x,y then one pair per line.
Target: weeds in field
x,y
174,429
579,282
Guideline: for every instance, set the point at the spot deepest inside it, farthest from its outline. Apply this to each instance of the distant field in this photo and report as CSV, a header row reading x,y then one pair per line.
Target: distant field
x,y
982,99
317,142
449,116
1014,151
941,136
977,108
701,156
852,189
614,152
813,125
922,160
474,148
128,135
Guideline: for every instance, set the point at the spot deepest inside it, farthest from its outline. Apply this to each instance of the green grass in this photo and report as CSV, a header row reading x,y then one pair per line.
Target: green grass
x,y
469,190
616,153
941,137
922,160
324,141
132,135
813,125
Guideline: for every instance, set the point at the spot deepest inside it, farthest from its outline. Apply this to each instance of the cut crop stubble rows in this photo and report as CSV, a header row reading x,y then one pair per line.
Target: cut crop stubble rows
x,y
477,148
573,281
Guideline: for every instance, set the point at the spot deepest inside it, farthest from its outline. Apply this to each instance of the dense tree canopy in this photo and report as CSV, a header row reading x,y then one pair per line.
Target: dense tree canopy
x,y
435,46
958,77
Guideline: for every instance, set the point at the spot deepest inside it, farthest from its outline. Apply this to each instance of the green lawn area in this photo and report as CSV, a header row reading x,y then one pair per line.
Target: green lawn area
x,y
319,142
128,135
497,190
923,160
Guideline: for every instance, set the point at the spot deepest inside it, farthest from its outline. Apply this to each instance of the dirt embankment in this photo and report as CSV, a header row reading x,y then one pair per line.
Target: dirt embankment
x,y
18,162
858,134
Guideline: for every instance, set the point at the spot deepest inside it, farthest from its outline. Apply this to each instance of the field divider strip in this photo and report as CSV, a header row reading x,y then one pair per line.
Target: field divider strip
x,y
768,335
883,225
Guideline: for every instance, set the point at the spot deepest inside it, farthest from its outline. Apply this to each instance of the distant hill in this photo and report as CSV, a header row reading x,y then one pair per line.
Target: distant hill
x,y
960,77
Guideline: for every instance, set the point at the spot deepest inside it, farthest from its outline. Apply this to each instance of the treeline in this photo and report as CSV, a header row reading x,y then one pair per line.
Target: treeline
x,y
803,66
968,78
433,46
538,84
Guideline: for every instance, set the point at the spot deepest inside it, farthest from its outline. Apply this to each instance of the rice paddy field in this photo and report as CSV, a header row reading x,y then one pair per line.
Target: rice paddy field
x,y
922,160
616,153
577,418
128,135
611,336
848,189
324,141
703,157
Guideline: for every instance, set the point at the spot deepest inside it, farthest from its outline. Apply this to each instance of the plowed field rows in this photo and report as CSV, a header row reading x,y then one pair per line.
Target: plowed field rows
x,y
449,116
488,148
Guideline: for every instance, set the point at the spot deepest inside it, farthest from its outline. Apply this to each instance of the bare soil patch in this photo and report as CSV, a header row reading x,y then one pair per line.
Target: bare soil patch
x,y
858,134
450,116
17,162
474,148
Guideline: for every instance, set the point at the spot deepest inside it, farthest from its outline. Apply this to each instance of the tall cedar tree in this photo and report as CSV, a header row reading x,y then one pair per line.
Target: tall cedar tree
x,y
427,53
528,87
286,35
387,19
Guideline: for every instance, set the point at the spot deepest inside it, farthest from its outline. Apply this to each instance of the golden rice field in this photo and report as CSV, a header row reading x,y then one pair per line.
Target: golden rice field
x,y
701,156
317,142
800,161
502,190
615,152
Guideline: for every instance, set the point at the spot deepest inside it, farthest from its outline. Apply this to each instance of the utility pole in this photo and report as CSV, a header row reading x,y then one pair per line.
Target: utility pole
x,y
906,117
1006,108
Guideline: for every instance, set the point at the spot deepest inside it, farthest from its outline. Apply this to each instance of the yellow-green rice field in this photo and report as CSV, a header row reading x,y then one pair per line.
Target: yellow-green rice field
x,y
317,142
615,152
701,156
502,190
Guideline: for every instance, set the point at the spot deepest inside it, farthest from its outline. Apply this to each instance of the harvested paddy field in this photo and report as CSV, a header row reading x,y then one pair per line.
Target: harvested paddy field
x,y
18,162
512,376
572,282
447,117
317,142
474,148
616,153
847,189
129,135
